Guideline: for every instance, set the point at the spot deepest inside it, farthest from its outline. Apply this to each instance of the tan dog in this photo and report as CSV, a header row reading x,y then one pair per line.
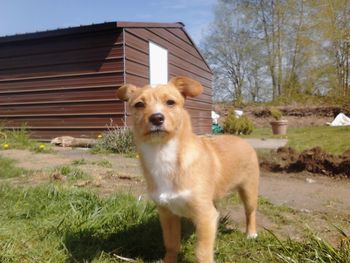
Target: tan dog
x,y
186,173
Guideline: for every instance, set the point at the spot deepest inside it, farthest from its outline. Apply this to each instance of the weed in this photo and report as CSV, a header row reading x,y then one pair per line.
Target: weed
x,y
70,172
20,139
115,140
103,163
79,162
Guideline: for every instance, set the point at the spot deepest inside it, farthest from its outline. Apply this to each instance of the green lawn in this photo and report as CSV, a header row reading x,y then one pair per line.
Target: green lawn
x,y
52,223
334,140
9,169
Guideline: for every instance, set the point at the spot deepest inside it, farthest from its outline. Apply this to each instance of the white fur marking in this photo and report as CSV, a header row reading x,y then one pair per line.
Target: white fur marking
x,y
161,163
252,236
158,108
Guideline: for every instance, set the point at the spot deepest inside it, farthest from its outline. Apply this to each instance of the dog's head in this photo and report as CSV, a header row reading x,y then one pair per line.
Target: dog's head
x,y
158,110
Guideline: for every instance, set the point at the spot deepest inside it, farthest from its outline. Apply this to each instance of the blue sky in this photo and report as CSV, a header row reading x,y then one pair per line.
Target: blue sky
x,y
21,16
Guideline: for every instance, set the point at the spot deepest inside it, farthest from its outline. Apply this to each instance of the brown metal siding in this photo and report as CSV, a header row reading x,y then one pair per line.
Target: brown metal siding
x,y
63,82
62,85
184,59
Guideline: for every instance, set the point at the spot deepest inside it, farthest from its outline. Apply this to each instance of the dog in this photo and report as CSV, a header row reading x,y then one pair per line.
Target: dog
x,y
186,173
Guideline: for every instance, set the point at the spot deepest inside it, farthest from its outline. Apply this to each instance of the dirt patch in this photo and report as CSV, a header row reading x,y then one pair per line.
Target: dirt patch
x,y
107,173
314,160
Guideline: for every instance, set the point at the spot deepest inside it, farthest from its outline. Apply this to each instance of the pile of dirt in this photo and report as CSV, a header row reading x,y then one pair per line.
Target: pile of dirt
x,y
314,160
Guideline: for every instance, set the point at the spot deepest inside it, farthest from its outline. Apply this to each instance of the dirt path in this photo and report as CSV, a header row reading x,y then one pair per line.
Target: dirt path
x,y
307,192
301,202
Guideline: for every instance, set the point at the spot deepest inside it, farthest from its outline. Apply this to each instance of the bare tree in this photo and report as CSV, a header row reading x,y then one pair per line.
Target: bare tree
x,y
262,48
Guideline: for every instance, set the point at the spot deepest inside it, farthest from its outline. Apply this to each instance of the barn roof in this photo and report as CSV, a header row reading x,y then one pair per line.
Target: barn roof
x,y
86,29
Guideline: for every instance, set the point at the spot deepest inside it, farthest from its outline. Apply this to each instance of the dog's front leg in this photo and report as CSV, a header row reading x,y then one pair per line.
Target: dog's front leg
x,y
206,226
171,227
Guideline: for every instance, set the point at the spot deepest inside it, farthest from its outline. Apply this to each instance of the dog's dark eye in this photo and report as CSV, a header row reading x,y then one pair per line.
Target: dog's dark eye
x,y
139,105
170,102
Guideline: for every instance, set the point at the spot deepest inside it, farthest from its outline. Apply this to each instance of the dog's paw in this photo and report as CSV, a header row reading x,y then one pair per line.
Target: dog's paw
x,y
252,236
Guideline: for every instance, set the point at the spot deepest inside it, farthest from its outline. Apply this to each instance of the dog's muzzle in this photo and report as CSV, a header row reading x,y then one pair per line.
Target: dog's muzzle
x,y
157,119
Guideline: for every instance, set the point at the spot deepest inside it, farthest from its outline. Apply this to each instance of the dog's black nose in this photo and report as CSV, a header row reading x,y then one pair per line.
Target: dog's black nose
x,y
157,119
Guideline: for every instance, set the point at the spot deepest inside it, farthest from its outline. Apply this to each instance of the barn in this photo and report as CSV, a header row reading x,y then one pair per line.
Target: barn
x,y
63,82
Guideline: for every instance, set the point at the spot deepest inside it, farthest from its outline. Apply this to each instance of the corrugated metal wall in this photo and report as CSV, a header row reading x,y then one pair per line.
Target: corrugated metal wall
x,y
184,59
63,82
62,85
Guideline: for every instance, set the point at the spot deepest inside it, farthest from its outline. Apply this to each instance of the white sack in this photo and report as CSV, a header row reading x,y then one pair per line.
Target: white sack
x,y
215,117
341,120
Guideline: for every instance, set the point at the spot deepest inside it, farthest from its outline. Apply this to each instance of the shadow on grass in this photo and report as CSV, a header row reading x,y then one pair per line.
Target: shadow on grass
x,y
142,241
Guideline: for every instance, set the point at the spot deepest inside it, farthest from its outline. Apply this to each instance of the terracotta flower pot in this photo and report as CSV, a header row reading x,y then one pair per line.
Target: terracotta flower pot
x,y
279,127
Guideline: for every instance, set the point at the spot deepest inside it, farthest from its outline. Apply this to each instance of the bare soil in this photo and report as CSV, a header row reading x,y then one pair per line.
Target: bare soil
x,y
302,201
314,160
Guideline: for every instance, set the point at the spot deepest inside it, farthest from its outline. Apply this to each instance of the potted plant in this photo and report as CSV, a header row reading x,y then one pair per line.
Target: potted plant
x,y
279,125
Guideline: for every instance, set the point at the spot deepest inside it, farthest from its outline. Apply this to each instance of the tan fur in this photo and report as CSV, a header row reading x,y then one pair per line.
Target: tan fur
x,y
186,173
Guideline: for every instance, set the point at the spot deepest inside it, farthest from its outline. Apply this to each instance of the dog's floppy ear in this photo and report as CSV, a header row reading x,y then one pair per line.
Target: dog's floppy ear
x,y
187,86
125,91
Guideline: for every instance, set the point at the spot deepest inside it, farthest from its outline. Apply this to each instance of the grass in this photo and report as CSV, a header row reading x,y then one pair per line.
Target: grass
x,y
103,163
334,140
72,173
8,168
53,223
20,139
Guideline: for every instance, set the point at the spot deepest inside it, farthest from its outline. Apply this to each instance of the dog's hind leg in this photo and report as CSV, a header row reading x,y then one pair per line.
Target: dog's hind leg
x,y
249,197
171,228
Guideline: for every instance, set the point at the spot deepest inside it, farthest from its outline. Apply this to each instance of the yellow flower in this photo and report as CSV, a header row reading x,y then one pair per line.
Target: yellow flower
x,y
99,136
5,146
42,146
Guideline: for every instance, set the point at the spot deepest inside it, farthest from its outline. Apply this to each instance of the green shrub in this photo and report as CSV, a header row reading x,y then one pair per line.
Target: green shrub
x,y
276,113
116,140
237,125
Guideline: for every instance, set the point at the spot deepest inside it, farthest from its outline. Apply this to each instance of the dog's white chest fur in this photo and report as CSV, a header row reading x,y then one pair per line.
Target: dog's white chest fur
x,y
161,163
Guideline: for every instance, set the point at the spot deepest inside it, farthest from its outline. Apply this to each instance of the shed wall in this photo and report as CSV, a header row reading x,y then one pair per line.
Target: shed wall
x,y
62,85
183,58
